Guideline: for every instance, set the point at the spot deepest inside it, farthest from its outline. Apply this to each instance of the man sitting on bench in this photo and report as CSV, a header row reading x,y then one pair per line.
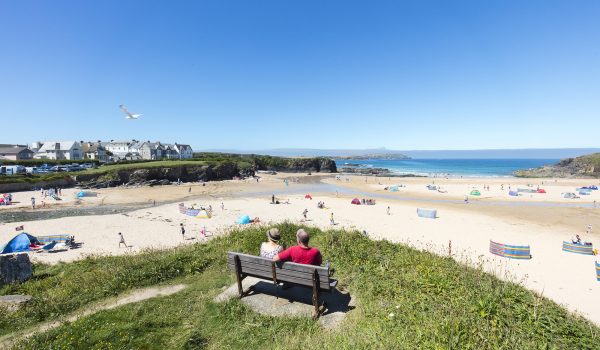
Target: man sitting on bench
x,y
301,253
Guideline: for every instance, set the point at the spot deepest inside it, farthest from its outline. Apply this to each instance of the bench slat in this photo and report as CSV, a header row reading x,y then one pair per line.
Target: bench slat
x,y
282,274
283,268
300,281
287,265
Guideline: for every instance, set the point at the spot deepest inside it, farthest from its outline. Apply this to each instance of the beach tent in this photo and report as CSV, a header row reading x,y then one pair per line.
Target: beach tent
x,y
203,214
356,201
475,193
584,191
308,196
595,188
541,190
243,220
597,271
513,193
427,213
20,243
432,187
394,188
82,194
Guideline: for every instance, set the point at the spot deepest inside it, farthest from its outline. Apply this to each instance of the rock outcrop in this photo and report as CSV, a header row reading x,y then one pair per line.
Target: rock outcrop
x,y
164,175
14,268
587,166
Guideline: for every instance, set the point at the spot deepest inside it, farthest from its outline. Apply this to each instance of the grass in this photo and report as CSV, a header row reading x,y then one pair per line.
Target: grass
x,y
436,303
141,165
9,179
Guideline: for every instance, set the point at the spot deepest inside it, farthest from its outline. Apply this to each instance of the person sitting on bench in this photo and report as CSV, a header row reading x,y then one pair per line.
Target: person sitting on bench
x,y
271,248
301,253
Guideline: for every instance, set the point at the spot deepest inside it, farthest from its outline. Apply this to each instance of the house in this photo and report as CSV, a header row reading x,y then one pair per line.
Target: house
x,y
118,146
149,150
184,151
134,149
70,150
15,152
93,150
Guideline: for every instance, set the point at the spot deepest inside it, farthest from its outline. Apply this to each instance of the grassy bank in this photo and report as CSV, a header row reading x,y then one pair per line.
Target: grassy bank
x,y
22,178
406,299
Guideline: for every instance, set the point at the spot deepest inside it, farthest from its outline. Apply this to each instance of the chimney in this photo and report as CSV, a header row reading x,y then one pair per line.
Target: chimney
x,y
57,146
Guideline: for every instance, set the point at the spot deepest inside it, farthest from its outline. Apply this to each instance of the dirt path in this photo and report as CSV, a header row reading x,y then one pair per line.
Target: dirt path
x,y
135,296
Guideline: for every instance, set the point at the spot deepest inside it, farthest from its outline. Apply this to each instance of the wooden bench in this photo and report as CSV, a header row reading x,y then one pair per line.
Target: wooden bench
x,y
317,277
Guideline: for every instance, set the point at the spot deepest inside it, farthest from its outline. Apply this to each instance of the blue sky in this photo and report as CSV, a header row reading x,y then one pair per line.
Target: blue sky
x,y
308,74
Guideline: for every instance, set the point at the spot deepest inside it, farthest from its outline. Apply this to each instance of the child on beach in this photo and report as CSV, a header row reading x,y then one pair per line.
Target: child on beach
x,y
182,230
304,213
331,222
122,240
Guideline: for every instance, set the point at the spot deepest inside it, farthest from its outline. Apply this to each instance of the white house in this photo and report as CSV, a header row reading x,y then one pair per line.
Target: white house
x,y
70,150
184,151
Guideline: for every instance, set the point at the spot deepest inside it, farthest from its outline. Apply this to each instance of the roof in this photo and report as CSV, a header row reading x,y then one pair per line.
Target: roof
x,y
183,146
91,147
13,149
64,145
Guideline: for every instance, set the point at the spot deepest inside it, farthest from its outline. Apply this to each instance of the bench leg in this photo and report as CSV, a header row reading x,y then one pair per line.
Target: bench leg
x,y
315,297
238,275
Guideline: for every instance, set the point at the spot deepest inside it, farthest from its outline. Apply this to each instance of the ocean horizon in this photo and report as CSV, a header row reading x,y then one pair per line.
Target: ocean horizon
x,y
449,167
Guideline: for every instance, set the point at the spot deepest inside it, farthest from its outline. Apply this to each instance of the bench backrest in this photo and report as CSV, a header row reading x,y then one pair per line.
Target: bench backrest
x,y
260,267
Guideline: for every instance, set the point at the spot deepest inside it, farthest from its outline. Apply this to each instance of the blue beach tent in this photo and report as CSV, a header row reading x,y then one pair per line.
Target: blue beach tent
x,y
244,219
20,243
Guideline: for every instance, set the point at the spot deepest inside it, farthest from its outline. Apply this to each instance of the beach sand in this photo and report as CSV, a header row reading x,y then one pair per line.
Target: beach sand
x,y
540,220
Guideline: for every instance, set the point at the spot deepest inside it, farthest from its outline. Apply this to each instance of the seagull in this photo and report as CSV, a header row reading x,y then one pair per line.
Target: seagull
x,y
128,114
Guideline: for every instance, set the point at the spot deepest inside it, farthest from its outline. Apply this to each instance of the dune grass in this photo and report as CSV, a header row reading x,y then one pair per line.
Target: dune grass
x,y
406,299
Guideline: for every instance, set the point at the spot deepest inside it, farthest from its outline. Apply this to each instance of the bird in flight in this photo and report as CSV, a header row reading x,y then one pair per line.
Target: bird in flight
x,y
128,115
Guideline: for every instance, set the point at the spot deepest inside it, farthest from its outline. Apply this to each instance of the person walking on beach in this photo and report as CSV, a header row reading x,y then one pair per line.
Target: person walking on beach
x,y
222,206
304,213
331,221
466,199
272,199
182,230
388,210
122,240
32,202
190,189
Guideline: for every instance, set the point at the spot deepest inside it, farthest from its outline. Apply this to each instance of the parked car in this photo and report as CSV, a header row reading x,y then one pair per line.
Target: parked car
x,y
59,168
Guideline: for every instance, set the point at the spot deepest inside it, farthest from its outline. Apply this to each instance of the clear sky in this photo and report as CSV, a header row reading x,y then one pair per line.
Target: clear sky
x,y
309,74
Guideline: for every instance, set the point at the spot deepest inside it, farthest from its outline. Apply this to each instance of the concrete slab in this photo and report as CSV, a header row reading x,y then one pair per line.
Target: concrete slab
x,y
272,300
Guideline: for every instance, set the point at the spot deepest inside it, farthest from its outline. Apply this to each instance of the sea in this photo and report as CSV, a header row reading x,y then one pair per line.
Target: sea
x,y
449,167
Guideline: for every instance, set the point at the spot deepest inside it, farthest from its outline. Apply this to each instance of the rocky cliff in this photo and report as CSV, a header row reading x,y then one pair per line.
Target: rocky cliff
x,y
302,165
163,175
202,172
587,166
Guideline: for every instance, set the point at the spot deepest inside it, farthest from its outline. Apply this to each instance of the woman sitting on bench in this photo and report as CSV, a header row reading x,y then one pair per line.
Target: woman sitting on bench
x,y
271,247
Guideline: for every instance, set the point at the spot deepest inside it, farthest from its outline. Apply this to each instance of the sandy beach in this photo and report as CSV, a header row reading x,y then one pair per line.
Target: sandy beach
x,y
540,220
